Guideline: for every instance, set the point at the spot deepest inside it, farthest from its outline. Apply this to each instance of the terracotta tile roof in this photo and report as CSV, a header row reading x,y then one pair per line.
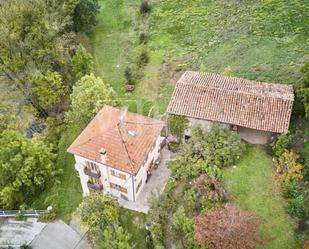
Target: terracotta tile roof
x,y
232,100
124,152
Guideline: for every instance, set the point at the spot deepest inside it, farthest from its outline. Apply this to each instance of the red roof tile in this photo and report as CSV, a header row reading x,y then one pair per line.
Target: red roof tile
x,y
124,152
232,100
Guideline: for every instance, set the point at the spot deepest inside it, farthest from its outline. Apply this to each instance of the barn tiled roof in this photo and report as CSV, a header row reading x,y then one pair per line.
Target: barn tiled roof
x,y
232,100
124,151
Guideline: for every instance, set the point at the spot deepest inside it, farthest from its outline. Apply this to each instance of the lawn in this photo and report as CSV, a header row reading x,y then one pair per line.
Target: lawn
x,y
253,187
66,194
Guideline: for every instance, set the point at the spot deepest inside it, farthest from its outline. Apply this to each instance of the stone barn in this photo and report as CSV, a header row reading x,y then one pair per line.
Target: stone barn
x,y
255,109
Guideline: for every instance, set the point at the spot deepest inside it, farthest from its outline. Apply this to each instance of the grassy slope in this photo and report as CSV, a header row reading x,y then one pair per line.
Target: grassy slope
x,y
252,187
66,195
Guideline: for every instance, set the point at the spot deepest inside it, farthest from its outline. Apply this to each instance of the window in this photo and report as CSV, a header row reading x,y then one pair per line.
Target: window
x,y
118,174
118,187
139,185
93,166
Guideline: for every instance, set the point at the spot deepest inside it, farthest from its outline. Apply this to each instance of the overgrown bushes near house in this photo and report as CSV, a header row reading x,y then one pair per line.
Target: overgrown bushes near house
x,y
288,168
196,187
207,153
280,144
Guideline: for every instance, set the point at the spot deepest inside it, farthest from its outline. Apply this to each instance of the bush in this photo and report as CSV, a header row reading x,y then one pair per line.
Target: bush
x,y
143,58
298,207
280,144
173,146
20,215
207,153
143,38
129,75
145,7
48,216
298,198
288,168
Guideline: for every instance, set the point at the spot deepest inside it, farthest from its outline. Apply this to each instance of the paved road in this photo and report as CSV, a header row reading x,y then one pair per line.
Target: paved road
x,y
58,235
53,235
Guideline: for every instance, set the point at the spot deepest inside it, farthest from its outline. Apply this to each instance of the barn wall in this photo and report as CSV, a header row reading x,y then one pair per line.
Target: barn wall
x,y
205,125
254,136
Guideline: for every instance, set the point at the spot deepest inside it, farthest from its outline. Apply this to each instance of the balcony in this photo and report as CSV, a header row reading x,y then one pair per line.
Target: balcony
x,y
95,186
95,174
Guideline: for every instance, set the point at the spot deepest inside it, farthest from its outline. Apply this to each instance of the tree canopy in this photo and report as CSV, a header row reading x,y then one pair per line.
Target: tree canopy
x,y
99,215
85,15
89,95
35,41
26,168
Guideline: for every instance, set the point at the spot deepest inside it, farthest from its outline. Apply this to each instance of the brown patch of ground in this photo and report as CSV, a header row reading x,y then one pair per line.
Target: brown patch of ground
x,y
171,71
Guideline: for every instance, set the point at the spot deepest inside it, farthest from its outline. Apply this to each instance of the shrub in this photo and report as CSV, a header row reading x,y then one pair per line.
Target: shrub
x,y
280,144
298,198
298,207
210,188
129,75
191,197
20,215
183,229
143,58
207,153
48,216
288,168
145,7
173,146
143,38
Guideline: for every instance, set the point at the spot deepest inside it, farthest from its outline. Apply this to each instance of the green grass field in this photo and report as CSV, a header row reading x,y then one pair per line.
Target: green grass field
x,y
253,188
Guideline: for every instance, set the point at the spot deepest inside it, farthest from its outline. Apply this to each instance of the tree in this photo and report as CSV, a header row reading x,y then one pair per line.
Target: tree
x,y
82,63
99,215
34,41
88,97
228,227
177,125
288,168
304,88
183,229
26,168
85,15
48,88
97,212
115,238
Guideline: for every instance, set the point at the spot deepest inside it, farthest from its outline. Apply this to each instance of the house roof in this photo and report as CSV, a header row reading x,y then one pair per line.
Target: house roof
x,y
232,100
127,143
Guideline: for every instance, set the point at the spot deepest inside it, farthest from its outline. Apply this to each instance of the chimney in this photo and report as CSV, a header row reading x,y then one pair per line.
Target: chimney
x,y
103,155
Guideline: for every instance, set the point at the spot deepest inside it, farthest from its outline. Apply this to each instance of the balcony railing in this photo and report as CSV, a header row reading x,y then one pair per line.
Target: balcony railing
x,y
95,186
95,174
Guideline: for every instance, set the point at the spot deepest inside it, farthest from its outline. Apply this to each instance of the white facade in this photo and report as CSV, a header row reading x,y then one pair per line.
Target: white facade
x,y
116,182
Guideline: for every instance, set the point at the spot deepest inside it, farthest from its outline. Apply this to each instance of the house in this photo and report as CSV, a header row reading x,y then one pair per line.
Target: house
x,y
255,109
116,152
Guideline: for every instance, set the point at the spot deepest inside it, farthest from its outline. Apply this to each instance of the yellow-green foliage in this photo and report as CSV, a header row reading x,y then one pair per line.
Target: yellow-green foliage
x,y
288,168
